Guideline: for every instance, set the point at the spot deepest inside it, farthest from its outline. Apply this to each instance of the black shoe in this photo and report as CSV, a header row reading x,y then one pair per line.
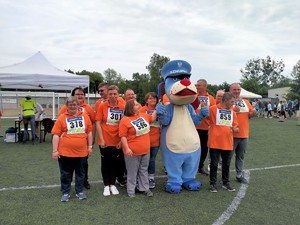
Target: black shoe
x,y
203,171
242,180
228,187
87,185
122,182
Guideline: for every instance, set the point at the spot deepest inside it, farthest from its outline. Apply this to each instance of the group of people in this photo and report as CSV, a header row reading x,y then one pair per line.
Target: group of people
x,y
280,109
128,136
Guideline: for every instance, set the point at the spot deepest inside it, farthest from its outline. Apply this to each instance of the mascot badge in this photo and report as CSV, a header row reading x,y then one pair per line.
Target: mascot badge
x,y
180,143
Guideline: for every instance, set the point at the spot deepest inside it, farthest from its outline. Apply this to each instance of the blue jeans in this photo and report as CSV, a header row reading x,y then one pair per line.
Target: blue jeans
x,y
26,120
153,153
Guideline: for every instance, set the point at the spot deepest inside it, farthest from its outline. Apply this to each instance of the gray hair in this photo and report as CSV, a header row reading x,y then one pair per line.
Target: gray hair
x,y
227,96
72,99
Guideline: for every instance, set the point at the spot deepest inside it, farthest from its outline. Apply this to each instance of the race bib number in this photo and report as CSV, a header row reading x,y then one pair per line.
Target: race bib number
x,y
141,126
114,116
242,104
224,117
75,125
203,99
154,123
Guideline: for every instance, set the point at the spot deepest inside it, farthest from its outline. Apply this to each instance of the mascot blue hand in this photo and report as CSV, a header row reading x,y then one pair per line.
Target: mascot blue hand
x,y
160,109
204,111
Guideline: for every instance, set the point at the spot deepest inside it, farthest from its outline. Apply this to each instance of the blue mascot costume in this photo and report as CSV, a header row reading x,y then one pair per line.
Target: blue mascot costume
x,y
180,143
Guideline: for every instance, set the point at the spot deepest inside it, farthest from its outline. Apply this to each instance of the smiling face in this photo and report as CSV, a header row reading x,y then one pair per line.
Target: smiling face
x,y
113,96
129,94
72,107
235,89
79,94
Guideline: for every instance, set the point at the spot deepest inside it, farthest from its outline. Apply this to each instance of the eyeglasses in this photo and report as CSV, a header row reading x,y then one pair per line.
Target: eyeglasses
x,y
101,90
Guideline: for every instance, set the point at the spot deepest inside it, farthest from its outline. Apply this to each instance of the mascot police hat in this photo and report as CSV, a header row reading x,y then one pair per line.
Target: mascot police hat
x,y
175,68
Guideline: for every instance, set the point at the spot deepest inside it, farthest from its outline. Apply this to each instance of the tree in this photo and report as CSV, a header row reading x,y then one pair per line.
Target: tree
x,y
95,79
295,85
154,68
140,85
265,72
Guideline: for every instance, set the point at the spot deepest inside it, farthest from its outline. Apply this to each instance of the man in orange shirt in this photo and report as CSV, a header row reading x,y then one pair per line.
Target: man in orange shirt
x,y
86,108
205,99
72,142
244,111
108,116
129,94
222,124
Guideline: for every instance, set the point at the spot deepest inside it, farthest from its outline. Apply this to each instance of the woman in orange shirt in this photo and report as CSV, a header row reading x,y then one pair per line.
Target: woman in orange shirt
x,y
72,143
134,132
222,124
108,116
151,102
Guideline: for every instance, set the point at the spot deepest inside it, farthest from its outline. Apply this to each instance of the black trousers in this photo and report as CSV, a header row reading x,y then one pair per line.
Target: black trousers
x,y
110,164
67,166
226,159
203,135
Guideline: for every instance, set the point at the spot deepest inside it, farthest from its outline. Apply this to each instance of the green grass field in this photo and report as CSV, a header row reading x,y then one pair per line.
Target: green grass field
x,y
30,193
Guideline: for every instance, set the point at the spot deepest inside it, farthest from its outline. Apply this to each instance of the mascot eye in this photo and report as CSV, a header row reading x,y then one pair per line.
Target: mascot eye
x,y
175,78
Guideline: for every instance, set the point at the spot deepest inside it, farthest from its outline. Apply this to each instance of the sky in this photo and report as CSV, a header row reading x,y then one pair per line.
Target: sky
x,y
217,38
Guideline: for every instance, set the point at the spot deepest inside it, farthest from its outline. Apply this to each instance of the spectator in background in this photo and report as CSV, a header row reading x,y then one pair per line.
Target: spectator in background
x,y
72,142
38,116
28,108
269,108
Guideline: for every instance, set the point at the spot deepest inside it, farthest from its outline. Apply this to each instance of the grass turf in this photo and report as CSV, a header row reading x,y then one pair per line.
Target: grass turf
x,y
271,198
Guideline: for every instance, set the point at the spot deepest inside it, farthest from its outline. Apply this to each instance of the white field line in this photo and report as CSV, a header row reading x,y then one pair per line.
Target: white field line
x,y
242,192
100,181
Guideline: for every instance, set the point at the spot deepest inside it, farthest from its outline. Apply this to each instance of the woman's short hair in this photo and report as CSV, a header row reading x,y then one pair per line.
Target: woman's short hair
x,y
129,108
150,94
77,88
72,99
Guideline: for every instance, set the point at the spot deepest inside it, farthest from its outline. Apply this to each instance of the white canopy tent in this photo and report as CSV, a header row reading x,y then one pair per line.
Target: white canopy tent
x,y
247,94
36,73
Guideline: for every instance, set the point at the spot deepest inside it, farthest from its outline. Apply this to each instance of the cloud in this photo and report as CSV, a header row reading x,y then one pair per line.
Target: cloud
x,y
217,38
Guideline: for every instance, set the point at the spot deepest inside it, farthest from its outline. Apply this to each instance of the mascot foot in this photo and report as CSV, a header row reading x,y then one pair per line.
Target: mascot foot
x,y
192,185
173,188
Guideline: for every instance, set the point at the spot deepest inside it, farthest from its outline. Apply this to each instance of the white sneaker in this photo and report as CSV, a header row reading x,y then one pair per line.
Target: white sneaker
x,y
114,190
106,191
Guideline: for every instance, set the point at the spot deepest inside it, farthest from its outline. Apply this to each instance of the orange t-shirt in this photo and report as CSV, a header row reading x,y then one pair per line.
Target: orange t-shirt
x,y
73,132
210,101
102,100
84,107
110,118
154,128
129,128
221,121
243,118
